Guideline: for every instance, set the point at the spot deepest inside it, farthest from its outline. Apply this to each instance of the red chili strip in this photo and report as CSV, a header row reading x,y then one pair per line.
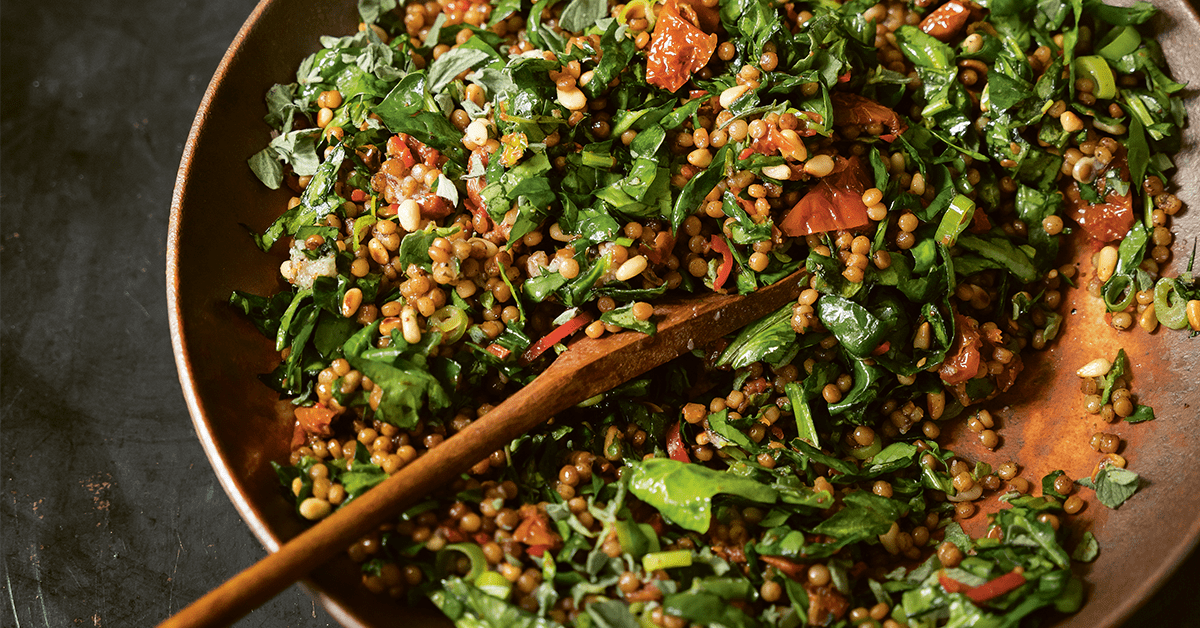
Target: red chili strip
x,y
993,589
559,334
719,245
675,447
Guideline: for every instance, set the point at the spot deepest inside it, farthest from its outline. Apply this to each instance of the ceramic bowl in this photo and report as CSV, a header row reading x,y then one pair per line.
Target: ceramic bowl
x,y
243,426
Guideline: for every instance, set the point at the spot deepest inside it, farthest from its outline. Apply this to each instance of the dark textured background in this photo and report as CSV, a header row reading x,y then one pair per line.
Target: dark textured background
x,y
111,514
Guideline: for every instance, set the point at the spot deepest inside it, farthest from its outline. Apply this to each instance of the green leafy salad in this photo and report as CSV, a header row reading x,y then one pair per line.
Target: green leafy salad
x,y
474,185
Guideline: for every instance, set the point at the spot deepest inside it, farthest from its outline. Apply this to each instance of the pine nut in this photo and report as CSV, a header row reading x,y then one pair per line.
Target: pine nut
x,y
351,301
1096,368
1148,321
1070,122
791,145
631,268
409,215
819,166
732,94
936,403
315,508
779,171
378,252
700,158
572,98
387,325
477,132
408,325
1084,170
1106,263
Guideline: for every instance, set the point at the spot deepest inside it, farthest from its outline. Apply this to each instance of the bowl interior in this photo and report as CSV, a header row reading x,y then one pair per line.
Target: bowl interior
x,y
243,427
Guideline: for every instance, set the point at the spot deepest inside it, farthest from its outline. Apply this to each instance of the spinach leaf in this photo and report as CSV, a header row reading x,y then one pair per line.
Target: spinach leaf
x,y
683,492
1113,485
858,330
265,165
317,202
582,14
623,317
709,609
806,429
1141,414
448,66
1088,548
767,339
1001,253
719,422
468,605
408,387
697,188
865,516
264,312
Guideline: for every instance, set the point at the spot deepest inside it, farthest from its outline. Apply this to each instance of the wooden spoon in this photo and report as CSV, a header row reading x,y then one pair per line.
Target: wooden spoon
x,y
588,368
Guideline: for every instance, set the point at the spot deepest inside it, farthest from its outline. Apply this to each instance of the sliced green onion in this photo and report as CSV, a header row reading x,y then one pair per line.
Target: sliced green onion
x,y
1119,292
955,220
597,160
648,12
361,224
1119,42
590,401
862,453
471,551
667,560
452,322
494,584
805,426
1173,315
1096,68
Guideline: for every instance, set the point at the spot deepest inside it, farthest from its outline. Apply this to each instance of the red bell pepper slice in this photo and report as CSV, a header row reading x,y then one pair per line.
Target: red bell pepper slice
x,y
719,245
987,591
534,531
790,568
554,337
396,146
500,351
675,447
951,585
996,587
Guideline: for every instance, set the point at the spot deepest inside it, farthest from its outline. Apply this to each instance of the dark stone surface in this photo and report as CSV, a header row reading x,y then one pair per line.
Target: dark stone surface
x,y
111,514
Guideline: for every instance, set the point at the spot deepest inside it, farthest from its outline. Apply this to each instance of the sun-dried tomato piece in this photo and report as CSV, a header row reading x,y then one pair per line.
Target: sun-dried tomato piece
x,y
833,203
677,49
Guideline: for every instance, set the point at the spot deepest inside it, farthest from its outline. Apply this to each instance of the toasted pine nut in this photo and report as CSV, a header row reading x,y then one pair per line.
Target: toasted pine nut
x,y
351,301
1106,263
408,325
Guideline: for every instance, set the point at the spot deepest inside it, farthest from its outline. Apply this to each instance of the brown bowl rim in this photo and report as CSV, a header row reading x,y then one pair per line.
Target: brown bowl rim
x,y
1117,614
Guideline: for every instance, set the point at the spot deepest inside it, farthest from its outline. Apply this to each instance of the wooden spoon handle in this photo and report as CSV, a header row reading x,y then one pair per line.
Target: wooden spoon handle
x,y
590,367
